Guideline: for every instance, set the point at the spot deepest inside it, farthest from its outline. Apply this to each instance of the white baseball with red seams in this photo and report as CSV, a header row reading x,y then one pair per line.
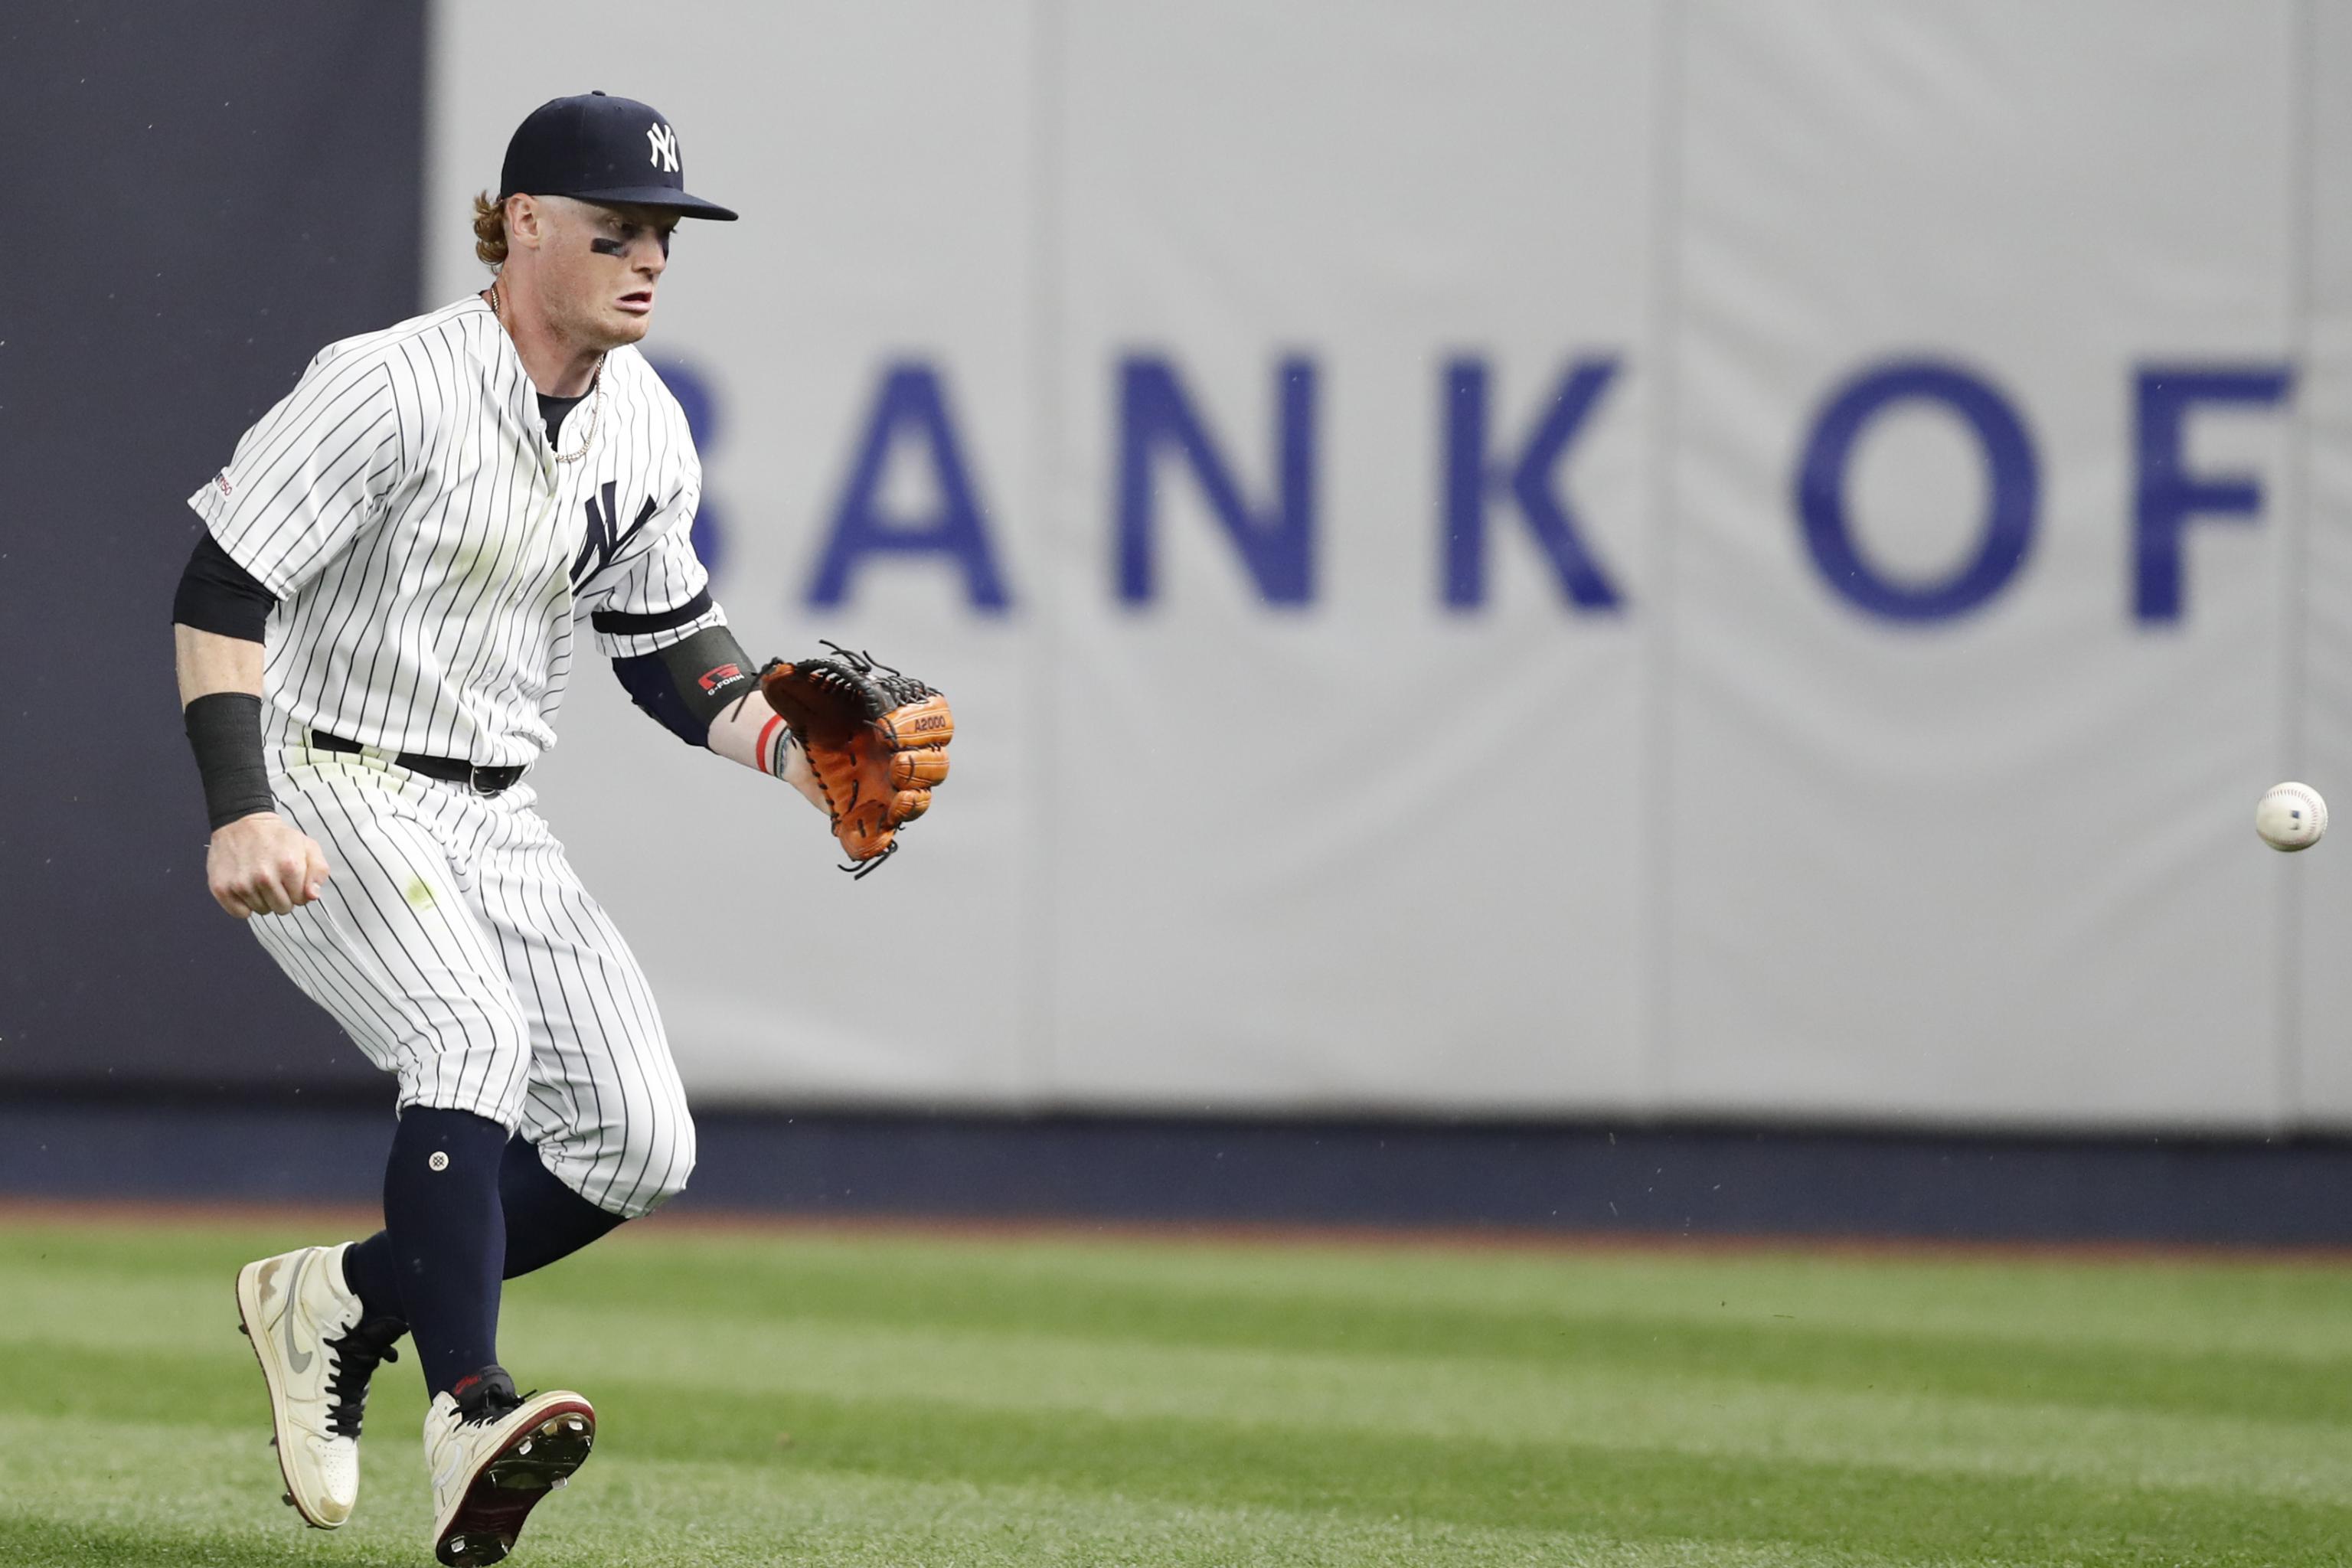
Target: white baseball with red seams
x,y
2290,816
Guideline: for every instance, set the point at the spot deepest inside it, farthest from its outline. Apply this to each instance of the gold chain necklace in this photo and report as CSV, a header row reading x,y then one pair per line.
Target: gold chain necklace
x,y
595,388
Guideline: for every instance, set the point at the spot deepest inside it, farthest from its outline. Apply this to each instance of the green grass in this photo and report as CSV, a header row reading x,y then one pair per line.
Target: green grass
x,y
819,1399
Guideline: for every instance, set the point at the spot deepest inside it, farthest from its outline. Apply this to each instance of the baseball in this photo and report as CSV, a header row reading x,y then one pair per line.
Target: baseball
x,y
2290,816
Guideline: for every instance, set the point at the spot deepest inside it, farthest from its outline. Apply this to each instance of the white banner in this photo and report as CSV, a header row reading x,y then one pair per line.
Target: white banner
x,y
1718,559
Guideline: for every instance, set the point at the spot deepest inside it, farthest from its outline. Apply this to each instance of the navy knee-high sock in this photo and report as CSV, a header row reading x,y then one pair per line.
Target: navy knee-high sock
x,y
448,1237
545,1220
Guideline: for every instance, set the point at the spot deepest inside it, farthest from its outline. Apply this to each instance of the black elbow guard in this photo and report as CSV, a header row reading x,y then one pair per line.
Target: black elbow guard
x,y
688,684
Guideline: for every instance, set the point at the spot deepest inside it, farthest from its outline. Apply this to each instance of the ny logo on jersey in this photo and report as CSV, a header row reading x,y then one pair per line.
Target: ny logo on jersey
x,y
665,142
604,538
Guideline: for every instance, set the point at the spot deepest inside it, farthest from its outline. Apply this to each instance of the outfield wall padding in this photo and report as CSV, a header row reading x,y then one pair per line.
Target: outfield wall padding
x,y
1491,1179
1697,560
1688,559
201,196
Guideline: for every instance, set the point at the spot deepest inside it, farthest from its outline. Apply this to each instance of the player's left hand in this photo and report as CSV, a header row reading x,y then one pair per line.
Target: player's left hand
x,y
796,770
875,743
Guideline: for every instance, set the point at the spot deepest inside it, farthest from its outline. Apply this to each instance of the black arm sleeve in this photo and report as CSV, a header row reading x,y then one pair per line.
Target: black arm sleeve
x,y
218,596
224,732
688,684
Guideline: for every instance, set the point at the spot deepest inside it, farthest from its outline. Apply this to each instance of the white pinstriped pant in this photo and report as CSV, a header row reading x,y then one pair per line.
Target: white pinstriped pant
x,y
457,946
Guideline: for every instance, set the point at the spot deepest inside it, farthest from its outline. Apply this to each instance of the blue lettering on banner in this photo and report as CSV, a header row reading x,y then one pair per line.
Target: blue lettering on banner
x,y
1277,547
912,404
2013,487
1470,479
2168,496
694,396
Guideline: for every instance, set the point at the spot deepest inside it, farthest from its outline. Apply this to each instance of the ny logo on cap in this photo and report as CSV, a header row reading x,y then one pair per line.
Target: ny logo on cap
x,y
665,142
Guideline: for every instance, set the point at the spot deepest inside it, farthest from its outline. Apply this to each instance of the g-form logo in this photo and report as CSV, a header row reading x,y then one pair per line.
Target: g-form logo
x,y
665,145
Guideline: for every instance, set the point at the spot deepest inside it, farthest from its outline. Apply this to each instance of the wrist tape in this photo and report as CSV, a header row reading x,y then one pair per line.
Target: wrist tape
x,y
775,744
224,732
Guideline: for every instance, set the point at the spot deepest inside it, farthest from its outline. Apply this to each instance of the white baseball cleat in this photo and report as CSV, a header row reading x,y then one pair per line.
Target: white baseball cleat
x,y
316,1356
493,1457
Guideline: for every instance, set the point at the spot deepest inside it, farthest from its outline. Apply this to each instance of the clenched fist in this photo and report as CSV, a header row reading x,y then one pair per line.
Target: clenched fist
x,y
262,865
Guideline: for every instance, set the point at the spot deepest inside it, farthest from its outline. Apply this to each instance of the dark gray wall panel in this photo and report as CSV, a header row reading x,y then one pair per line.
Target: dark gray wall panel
x,y
199,197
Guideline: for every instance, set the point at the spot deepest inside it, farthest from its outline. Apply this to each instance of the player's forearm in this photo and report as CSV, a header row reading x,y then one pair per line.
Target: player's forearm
x,y
208,662
257,863
220,702
702,690
746,731
749,732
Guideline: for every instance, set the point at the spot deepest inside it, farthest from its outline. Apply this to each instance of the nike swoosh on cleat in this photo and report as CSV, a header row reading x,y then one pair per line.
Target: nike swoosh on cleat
x,y
299,1359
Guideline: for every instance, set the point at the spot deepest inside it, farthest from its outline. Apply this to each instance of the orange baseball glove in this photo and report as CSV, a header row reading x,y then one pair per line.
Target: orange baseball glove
x,y
876,739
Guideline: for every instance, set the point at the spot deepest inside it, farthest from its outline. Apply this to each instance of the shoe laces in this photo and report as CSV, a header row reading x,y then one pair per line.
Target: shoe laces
x,y
357,1353
489,1396
498,1406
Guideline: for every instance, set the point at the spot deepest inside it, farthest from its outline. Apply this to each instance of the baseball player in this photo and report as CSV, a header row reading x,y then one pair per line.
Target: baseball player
x,y
372,641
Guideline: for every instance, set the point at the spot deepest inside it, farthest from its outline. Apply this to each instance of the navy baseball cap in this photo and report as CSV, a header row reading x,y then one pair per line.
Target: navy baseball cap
x,y
600,149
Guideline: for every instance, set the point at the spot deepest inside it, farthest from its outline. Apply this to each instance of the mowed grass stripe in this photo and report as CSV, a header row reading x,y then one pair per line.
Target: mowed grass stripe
x,y
1598,1489
2250,1386
1120,1403
201,1502
2299,1309
1566,1402
1492,1401
1602,1487
2300,1312
914,1537
812,1285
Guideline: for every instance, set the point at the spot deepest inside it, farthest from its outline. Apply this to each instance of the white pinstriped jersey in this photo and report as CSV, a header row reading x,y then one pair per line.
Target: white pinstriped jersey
x,y
428,551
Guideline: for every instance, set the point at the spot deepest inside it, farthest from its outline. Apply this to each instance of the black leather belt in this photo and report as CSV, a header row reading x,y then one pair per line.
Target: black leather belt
x,y
481,780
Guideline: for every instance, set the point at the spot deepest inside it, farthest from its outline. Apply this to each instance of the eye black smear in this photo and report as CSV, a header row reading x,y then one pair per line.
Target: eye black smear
x,y
603,247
